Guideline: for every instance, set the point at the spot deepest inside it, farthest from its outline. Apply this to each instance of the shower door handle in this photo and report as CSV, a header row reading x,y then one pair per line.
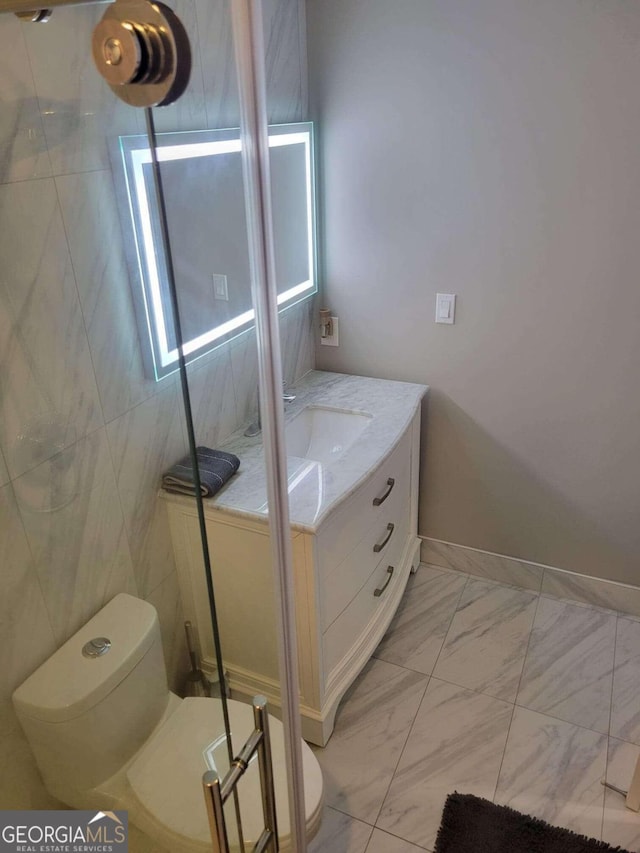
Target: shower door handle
x,y
217,791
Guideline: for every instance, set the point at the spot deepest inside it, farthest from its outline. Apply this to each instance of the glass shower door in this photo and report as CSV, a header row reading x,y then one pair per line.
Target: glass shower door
x,y
88,423
210,161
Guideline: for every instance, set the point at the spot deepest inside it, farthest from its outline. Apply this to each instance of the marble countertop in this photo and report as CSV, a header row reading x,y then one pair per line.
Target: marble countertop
x,y
316,488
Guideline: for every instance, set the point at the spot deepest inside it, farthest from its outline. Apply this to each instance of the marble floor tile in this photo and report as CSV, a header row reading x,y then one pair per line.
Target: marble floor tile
x,y
456,743
382,842
486,643
553,770
416,635
569,665
621,826
625,710
371,730
340,833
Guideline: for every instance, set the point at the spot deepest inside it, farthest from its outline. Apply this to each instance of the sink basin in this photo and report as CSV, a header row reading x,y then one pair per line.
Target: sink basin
x,y
323,435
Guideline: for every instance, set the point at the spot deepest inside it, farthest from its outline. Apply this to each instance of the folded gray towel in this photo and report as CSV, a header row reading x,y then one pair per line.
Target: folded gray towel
x,y
215,467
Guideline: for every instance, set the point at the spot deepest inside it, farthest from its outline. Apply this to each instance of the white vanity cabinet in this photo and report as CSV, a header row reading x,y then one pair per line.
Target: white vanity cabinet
x,y
350,574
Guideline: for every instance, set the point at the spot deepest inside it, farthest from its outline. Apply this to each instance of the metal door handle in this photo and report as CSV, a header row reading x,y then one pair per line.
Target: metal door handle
x,y
217,791
380,545
378,592
391,483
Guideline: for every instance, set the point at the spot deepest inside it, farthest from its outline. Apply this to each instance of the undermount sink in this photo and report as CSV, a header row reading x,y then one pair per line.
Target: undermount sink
x,y
322,434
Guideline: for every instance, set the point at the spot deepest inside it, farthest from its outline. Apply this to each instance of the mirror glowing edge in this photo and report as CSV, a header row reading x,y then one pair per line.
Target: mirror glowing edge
x,y
202,177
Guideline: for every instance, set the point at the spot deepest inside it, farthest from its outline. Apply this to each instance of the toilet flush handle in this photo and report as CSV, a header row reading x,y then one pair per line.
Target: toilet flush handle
x,y
96,648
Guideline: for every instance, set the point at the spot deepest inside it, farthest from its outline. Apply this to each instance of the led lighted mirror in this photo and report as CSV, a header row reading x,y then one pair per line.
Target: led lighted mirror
x,y
204,194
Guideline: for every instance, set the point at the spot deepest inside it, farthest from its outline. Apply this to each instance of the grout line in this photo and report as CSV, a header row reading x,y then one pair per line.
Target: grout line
x,y
80,305
399,837
410,727
473,690
25,43
561,720
453,615
402,750
54,175
613,673
347,814
404,604
606,757
513,712
504,752
609,735
526,652
604,790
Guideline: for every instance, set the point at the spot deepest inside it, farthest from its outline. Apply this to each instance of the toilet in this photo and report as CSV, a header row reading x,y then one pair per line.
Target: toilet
x,y
108,734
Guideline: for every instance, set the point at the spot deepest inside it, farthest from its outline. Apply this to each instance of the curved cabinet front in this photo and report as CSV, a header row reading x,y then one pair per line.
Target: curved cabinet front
x,y
350,575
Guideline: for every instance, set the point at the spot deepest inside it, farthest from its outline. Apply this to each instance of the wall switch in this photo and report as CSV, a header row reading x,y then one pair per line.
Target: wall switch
x,y
333,339
445,307
220,290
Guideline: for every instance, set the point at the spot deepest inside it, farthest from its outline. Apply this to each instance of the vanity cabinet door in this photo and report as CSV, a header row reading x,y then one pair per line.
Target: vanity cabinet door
x,y
382,540
352,626
369,505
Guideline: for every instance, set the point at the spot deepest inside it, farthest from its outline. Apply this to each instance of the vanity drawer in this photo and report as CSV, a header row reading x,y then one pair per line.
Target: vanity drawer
x,y
352,521
341,585
341,637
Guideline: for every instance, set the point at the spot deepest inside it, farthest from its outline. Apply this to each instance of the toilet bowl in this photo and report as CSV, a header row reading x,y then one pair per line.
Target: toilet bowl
x,y
108,734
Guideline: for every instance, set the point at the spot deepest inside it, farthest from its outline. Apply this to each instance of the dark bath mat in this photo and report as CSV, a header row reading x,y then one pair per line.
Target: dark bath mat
x,y
473,825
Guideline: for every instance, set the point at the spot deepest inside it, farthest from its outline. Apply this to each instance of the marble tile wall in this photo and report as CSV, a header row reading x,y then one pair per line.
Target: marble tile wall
x,y
84,433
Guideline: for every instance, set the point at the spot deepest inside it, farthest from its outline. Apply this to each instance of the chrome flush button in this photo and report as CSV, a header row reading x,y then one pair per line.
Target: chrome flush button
x,y
96,648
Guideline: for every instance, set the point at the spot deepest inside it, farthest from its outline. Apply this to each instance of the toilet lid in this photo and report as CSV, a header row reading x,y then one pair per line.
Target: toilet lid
x,y
166,777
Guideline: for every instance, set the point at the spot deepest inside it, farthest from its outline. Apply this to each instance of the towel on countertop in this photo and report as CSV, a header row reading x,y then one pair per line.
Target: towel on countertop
x,y
215,467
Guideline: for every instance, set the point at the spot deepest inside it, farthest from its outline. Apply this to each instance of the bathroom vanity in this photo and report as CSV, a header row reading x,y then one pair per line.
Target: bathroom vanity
x,y
353,457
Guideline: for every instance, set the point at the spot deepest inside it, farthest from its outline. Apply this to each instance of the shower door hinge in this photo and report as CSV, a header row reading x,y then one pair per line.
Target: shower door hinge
x,y
142,51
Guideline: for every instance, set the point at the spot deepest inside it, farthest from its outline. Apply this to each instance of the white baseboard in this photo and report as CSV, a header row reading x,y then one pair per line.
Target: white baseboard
x,y
548,580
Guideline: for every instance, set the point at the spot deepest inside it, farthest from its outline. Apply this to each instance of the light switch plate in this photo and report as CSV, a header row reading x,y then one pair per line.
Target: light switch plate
x,y
220,289
445,308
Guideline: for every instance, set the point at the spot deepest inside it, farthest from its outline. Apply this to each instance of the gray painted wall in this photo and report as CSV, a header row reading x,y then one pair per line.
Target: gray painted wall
x,y
492,150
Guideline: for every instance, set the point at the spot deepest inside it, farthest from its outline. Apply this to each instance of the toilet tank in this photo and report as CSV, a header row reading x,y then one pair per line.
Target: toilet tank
x,y
85,717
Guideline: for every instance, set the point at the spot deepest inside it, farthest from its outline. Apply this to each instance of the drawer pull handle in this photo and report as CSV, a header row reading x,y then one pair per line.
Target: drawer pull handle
x,y
378,592
391,483
380,545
